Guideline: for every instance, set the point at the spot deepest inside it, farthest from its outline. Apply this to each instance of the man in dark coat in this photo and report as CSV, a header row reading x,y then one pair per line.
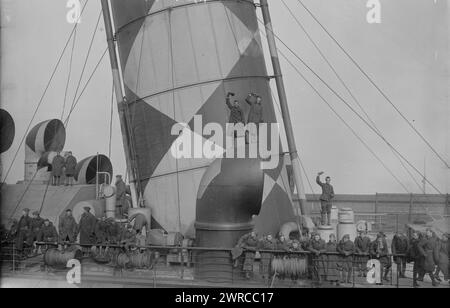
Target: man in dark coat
x,y
362,250
400,246
332,260
36,224
380,251
442,258
249,244
415,256
325,199
48,232
13,229
128,237
71,164
318,247
57,169
268,243
346,249
113,230
255,116
427,249
23,229
68,228
87,228
121,191
236,113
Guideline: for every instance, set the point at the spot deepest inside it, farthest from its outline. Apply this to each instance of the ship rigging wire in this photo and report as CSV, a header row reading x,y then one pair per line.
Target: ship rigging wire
x,y
353,110
69,75
378,88
41,100
350,92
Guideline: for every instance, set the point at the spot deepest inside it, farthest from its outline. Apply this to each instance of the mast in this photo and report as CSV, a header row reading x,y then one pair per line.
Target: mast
x,y
284,106
121,102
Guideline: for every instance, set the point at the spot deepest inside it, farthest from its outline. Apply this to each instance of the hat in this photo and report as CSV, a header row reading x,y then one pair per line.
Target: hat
x,y
26,210
36,213
68,210
381,234
87,208
118,176
45,220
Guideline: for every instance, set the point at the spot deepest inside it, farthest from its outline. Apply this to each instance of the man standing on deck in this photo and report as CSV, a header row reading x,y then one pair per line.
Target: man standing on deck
x,y
87,227
362,249
57,169
71,164
121,190
400,246
23,229
36,225
68,228
325,198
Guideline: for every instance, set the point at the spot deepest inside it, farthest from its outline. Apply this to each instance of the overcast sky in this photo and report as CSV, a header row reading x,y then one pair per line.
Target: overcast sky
x,y
406,54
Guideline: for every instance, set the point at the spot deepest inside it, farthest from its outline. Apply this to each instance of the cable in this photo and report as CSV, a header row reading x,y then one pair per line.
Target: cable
x,y
41,100
45,195
111,121
345,85
69,75
353,110
86,60
85,87
377,87
23,195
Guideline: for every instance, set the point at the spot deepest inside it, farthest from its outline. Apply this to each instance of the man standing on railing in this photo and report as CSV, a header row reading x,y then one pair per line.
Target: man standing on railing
x,y
325,198
71,164
362,248
400,246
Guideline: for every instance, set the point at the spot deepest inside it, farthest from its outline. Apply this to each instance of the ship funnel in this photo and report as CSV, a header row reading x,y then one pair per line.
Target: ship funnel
x,y
230,194
7,131
44,139
86,170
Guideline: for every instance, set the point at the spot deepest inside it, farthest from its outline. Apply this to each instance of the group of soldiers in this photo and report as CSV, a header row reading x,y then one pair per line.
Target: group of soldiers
x,y
91,231
334,261
63,166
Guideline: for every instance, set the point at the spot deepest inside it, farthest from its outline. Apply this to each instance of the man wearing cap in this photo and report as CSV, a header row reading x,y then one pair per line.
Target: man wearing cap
x,y
400,246
362,249
128,237
427,250
325,198
36,224
68,228
346,249
23,228
380,251
248,243
71,164
318,247
57,169
442,258
121,190
87,227
48,232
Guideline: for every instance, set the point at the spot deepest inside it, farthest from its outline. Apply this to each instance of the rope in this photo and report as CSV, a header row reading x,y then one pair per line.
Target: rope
x,y
111,122
23,195
45,194
69,75
345,86
41,100
353,110
376,86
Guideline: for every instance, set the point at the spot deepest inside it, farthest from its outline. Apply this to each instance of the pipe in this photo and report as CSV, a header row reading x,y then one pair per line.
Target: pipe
x,y
119,90
284,107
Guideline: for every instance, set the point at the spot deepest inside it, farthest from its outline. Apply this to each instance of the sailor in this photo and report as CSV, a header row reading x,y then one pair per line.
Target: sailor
x,y
236,112
128,238
282,243
362,249
266,243
87,227
318,247
71,164
48,232
415,256
68,228
380,251
114,231
57,169
346,249
332,260
325,198
400,246
255,116
427,250
23,229
121,190
36,225
12,231
101,231
249,244
442,258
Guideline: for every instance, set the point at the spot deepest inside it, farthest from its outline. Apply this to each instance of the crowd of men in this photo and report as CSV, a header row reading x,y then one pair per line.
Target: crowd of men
x,y
29,230
334,261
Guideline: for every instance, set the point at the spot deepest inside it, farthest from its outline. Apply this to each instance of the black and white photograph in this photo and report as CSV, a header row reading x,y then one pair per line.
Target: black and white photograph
x,y
237,146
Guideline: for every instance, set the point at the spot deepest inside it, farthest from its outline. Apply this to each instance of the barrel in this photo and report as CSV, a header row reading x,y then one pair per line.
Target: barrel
x,y
346,215
334,219
59,258
325,231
